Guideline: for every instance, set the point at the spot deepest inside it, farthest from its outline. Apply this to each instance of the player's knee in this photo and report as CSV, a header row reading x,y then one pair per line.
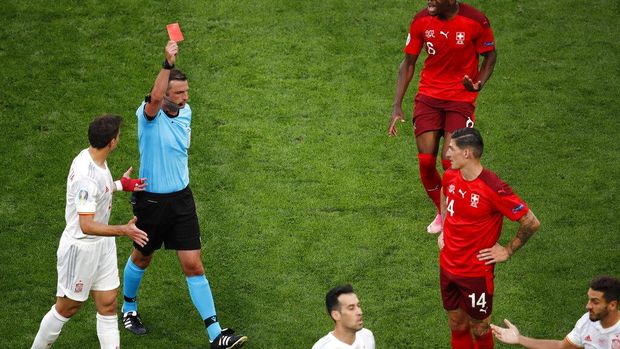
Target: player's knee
x,y
480,329
193,269
67,310
141,260
107,309
458,324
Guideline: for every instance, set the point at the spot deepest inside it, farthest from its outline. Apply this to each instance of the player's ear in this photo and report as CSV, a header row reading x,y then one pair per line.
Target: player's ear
x,y
335,314
114,141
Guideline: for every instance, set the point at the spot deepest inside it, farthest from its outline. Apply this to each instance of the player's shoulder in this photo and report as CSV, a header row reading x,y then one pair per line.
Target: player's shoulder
x,y
496,184
324,342
422,14
83,168
450,173
366,333
82,162
474,14
584,320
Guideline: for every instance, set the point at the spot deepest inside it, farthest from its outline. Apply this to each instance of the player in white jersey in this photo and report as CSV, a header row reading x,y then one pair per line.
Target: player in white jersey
x,y
87,250
349,332
599,328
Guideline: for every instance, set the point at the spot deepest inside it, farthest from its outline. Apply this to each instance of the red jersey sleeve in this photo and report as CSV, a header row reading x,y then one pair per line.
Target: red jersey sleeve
x,y
485,42
415,37
505,200
483,39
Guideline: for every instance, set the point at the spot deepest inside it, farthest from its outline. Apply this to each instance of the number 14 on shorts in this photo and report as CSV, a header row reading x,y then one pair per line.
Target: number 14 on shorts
x,y
480,303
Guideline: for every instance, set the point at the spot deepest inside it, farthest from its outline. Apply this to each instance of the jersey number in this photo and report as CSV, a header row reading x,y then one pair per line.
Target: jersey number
x,y
482,300
450,207
430,49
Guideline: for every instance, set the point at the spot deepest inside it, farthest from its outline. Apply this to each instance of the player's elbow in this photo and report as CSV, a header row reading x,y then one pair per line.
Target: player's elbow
x,y
86,225
491,56
533,222
536,224
156,98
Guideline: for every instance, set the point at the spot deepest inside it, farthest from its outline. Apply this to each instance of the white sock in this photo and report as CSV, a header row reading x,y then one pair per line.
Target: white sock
x,y
107,331
49,330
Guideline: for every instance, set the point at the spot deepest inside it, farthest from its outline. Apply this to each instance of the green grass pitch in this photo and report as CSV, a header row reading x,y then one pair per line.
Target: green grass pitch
x,y
297,185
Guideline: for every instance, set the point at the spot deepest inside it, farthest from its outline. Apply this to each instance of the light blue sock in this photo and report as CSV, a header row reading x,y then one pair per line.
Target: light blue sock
x,y
200,292
131,282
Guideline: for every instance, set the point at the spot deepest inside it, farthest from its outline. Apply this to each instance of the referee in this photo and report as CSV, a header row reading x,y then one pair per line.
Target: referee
x,y
167,212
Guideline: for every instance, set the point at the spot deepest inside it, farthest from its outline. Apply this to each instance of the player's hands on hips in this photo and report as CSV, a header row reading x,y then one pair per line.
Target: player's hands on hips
x,y
131,184
495,254
397,114
171,51
470,85
135,234
440,241
508,335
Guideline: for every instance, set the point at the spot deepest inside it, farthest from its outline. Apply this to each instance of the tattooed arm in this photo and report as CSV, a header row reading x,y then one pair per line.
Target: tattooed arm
x,y
528,225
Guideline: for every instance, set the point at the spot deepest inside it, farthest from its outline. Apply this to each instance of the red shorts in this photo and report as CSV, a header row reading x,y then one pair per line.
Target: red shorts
x,y
472,294
432,114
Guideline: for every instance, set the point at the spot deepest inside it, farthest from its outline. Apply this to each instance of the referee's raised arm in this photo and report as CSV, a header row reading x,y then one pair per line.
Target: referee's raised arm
x,y
158,92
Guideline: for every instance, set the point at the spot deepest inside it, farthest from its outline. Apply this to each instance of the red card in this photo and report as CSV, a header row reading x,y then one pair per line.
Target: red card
x,y
174,32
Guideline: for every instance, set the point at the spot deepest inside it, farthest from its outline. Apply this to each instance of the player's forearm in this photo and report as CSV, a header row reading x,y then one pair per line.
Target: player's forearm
x,y
528,225
160,86
442,206
533,343
487,67
405,74
90,227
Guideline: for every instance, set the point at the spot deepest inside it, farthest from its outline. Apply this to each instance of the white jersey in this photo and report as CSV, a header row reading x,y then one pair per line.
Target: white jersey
x,y
364,339
89,192
591,335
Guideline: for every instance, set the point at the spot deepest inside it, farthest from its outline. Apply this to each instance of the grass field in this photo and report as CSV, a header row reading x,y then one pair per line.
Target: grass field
x,y
297,185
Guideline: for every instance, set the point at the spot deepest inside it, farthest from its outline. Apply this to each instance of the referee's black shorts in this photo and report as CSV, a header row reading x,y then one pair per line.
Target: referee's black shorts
x,y
167,218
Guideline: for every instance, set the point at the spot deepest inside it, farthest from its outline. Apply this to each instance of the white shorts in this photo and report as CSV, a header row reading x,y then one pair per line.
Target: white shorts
x,y
85,266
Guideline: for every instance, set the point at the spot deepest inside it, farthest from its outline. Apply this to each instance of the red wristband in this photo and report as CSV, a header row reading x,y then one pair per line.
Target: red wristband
x,y
130,184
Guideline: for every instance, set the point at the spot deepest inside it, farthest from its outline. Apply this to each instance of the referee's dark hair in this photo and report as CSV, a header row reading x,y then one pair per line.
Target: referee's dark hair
x,y
608,285
331,299
103,129
176,74
469,138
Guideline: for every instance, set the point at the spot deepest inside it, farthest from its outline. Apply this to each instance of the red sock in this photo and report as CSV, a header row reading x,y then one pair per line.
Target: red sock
x,y
430,177
462,339
484,342
445,163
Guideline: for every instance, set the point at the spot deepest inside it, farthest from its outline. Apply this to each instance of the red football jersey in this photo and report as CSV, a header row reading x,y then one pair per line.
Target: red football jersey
x,y
453,48
474,217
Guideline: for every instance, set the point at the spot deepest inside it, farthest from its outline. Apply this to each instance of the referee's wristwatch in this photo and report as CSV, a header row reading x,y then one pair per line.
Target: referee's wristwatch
x,y
167,65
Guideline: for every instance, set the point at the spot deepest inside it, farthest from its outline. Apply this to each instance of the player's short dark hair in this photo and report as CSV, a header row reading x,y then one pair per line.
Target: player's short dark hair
x,y
176,74
608,285
103,129
331,299
469,138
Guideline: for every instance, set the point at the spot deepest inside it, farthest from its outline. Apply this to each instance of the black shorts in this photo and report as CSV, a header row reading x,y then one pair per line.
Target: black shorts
x,y
167,218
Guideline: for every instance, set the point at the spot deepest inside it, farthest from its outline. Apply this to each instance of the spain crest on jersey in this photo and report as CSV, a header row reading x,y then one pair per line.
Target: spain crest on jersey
x,y
79,286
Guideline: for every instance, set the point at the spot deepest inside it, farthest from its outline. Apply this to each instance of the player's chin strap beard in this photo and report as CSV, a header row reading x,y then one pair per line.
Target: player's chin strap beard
x,y
171,106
